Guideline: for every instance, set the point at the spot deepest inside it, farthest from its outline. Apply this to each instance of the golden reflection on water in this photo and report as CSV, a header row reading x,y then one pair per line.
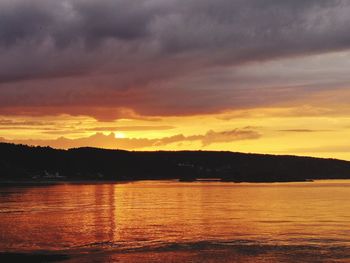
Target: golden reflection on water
x,y
153,214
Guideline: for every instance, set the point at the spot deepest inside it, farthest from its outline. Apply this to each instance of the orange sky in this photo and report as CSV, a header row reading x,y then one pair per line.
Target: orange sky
x,y
262,130
311,122
177,75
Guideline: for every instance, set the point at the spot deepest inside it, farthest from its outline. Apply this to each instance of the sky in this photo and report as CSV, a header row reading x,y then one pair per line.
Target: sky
x,y
234,75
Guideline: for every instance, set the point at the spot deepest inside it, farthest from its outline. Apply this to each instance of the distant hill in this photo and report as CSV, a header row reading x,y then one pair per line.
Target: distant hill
x,y
26,163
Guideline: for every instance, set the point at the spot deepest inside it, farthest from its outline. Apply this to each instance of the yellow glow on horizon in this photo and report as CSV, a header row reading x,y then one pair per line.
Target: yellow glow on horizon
x,y
303,130
119,135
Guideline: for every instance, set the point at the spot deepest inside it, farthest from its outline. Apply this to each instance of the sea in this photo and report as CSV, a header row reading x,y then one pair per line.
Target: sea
x,y
171,221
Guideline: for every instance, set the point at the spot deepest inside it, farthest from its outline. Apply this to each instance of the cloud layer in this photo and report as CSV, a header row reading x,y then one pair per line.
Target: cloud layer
x,y
119,58
111,142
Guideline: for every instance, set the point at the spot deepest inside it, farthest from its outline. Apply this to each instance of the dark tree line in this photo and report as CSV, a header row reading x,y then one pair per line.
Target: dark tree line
x,y
20,162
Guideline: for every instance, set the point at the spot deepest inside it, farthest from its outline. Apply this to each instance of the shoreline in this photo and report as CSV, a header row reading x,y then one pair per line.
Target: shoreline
x,y
78,182
49,183
96,182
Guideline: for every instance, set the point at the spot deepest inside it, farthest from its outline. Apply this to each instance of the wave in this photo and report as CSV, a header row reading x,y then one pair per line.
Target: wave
x,y
193,251
241,246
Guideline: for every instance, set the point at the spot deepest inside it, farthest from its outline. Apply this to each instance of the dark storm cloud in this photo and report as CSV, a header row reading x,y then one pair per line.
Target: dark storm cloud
x,y
68,21
119,53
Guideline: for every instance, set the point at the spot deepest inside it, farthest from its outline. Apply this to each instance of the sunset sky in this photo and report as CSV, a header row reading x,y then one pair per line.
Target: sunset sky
x,y
239,75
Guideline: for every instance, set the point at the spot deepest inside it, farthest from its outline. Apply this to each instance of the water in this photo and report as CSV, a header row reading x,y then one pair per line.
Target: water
x,y
168,221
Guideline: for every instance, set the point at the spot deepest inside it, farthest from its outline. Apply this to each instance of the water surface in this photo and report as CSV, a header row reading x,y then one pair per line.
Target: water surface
x,y
181,222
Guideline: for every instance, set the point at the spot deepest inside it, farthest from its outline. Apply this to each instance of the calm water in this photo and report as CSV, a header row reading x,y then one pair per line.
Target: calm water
x,y
169,221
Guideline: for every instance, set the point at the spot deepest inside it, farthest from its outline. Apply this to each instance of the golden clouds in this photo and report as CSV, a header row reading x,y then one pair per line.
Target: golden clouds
x,y
264,130
118,141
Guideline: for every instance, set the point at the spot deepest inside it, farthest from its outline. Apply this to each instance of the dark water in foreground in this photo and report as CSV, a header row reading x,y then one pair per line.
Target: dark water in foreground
x,y
166,221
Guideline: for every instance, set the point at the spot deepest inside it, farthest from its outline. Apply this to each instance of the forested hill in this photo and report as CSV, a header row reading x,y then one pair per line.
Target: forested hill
x,y
20,162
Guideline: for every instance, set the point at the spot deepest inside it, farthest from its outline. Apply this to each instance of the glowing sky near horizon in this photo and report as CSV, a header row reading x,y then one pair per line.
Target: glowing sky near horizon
x,y
238,75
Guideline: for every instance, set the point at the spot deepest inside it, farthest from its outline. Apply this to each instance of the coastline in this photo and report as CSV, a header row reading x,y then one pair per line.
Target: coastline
x,y
49,183
77,182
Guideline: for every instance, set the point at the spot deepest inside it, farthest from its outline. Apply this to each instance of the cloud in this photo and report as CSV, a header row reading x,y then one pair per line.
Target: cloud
x,y
133,128
8,122
65,131
302,130
227,136
113,59
111,142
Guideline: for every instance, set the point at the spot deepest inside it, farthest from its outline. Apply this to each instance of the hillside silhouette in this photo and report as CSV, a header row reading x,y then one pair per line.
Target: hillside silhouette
x,y
28,163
